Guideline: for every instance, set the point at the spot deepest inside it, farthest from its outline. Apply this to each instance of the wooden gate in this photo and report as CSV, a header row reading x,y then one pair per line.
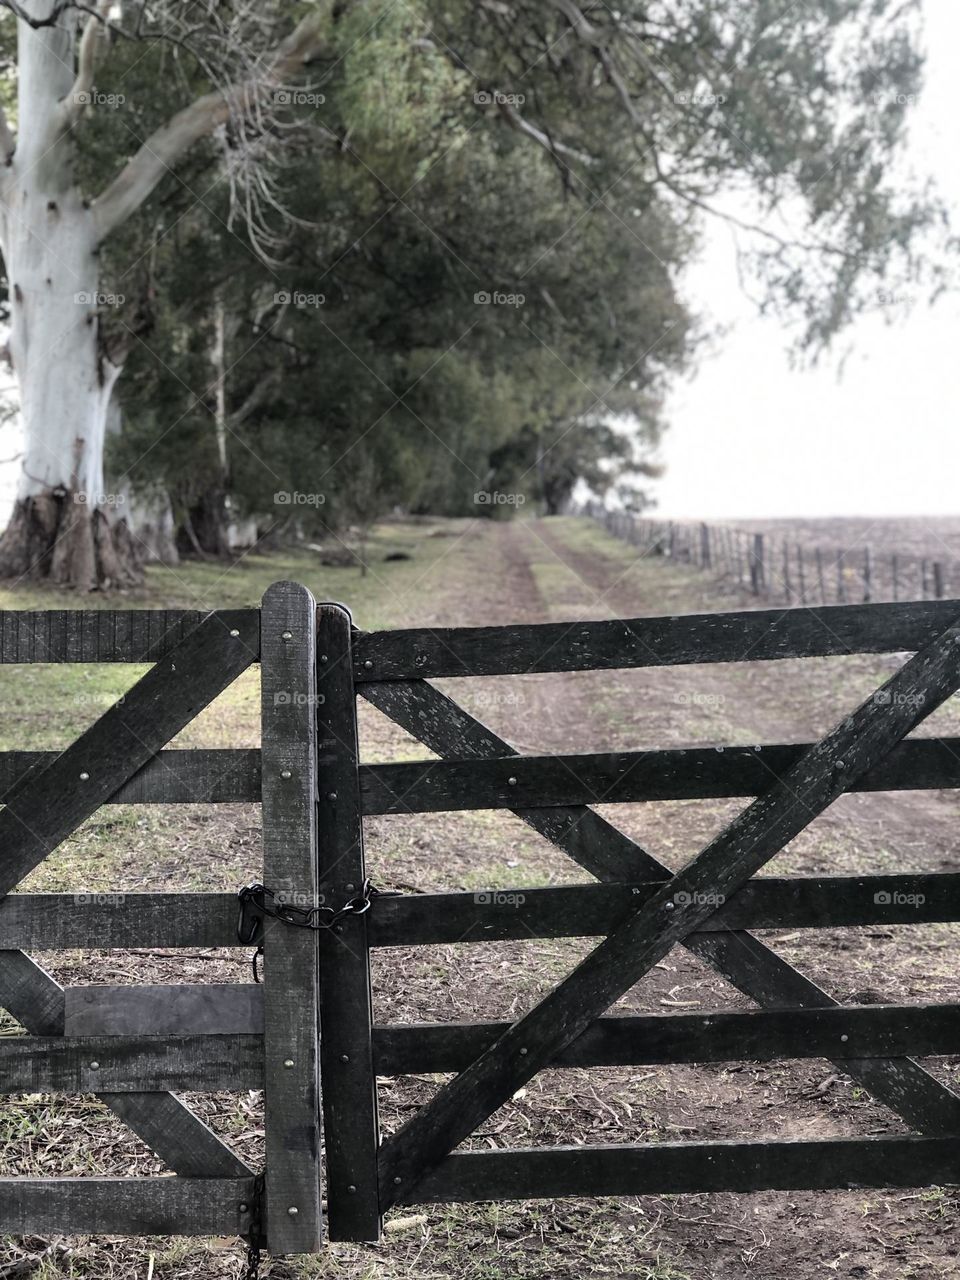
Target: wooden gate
x,y
640,910
133,1046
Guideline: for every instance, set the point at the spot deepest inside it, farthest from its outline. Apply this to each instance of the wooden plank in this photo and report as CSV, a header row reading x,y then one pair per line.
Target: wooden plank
x,y
631,776
351,1126
605,851
675,1168
849,1032
753,636
126,1206
291,1002
79,635
521,914
42,812
165,1124
684,902
99,921
171,777
131,1064
197,1009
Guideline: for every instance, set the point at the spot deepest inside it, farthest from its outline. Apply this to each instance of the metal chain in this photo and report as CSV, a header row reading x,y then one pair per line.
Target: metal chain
x,y
251,1270
257,902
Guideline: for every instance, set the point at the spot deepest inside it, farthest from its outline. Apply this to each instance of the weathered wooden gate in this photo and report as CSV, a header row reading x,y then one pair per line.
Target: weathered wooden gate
x,y
641,911
134,1046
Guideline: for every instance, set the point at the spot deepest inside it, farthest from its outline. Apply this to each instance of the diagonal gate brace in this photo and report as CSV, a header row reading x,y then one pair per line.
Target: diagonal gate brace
x,y
750,841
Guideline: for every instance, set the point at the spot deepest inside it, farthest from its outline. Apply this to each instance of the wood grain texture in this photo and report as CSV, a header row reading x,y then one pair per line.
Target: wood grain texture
x,y
291,1000
165,1124
170,777
125,1206
608,853
351,1126
49,921
48,805
755,636
109,635
873,1031
496,915
667,1168
131,1064
754,836
631,776
197,1009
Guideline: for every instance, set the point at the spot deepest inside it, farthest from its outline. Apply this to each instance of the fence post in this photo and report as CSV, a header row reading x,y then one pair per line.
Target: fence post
x,y
291,997
787,587
705,559
801,576
757,572
820,578
924,580
938,580
867,576
894,566
351,1125
841,584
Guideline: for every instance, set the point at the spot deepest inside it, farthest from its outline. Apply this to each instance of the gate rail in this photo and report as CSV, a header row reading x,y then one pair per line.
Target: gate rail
x,y
640,909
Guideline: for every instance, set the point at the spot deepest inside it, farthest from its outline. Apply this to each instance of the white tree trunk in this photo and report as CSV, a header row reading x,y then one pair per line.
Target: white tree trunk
x,y
60,527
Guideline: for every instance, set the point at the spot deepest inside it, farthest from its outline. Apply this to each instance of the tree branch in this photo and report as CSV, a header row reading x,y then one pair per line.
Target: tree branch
x,y
166,145
94,31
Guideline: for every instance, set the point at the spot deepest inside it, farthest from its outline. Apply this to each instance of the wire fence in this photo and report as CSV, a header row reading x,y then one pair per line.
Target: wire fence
x,y
782,568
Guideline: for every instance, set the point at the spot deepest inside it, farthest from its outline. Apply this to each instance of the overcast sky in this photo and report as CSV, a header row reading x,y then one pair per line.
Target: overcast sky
x,y
750,437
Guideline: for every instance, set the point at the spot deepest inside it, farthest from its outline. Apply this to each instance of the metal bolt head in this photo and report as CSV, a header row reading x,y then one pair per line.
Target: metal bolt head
x,y
292,1211
234,633
94,1066
350,887
368,665
344,1057
669,906
844,1038
352,1189
286,635
511,782
285,773
840,764
243,1206
523,1053
288,1063
331,795
397,1180
84,777
324,658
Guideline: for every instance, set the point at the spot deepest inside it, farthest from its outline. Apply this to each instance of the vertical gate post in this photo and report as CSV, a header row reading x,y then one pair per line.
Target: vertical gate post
x,y
291,980
351,1126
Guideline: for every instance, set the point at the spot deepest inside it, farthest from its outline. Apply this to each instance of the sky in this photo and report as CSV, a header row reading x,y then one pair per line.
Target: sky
x,y
751,437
